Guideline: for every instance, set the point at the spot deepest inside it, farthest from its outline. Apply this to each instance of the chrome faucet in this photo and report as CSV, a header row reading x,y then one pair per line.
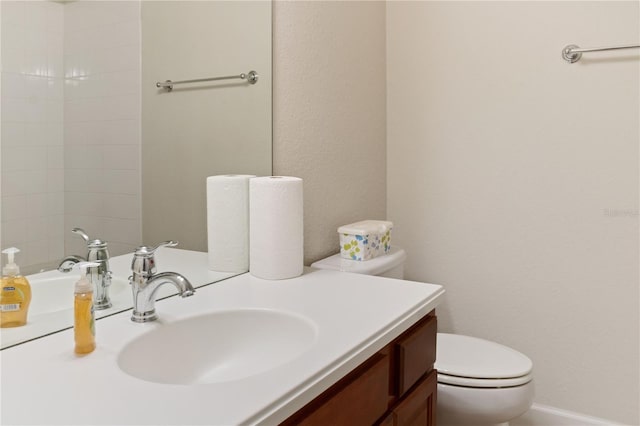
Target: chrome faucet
x,y
145,282
100,276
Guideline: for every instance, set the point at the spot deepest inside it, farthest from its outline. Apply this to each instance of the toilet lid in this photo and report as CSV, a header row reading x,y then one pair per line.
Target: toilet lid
x,y
473,358
376,266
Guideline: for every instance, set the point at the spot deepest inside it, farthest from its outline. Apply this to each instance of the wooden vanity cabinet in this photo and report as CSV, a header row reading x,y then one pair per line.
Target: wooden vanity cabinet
x,y
395,387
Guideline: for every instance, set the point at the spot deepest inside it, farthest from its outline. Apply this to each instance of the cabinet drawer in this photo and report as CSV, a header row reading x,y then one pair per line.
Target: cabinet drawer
x,y
360,398
416,353
419,406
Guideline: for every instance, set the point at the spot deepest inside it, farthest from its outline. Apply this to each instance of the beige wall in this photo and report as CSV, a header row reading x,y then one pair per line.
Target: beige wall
x,y
329,113
513,181
205,129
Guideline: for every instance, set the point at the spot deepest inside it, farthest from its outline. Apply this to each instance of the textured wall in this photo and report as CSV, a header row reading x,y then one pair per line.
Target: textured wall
x,y
329,113
513,181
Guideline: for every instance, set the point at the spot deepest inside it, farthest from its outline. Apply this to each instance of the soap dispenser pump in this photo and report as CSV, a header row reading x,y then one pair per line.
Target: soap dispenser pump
x,y
84,321
15,293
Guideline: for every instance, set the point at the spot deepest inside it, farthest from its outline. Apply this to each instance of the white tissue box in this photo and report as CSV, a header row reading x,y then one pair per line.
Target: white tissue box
x,y
365,240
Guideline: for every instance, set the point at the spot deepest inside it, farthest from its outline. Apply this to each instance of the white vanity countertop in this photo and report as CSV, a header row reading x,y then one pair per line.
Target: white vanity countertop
x,y
43,382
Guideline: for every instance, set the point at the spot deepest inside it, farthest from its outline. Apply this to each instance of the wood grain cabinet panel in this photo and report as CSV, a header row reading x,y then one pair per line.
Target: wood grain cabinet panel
x,y
389,420
395,387
357,400
416,353
418,408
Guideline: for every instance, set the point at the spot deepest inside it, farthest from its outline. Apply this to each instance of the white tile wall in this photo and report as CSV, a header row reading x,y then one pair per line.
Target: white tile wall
x,y
70,127
32,130
102,176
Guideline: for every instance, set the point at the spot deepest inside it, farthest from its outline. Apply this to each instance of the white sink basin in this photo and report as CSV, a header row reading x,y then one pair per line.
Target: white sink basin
x,y
218,347
54,292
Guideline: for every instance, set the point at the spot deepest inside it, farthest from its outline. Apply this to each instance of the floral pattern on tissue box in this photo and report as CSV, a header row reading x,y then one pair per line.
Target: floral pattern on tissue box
x,y
364,247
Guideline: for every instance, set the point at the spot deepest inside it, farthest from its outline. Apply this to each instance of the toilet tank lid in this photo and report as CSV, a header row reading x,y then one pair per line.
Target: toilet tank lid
x,y
471,357
376,266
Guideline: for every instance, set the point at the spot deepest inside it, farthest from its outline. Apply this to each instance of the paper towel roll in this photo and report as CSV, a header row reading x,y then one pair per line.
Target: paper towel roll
x,y
228,222
276,223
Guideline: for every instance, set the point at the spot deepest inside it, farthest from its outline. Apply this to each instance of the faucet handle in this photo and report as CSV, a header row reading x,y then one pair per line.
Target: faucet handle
x,y
91,244
143,262
81,232
147,251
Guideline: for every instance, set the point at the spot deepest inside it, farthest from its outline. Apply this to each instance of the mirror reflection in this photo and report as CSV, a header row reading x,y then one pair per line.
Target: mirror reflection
x,y
88,141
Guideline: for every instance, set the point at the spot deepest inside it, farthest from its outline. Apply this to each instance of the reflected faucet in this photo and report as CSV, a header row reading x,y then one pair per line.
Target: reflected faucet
x,y
67,264
100,276
145,282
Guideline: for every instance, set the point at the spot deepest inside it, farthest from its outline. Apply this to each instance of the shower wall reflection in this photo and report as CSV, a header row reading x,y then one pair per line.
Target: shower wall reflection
x,y
70,127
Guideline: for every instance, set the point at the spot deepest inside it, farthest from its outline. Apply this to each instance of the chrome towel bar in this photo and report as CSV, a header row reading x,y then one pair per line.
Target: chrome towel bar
x,y
251,77
573,53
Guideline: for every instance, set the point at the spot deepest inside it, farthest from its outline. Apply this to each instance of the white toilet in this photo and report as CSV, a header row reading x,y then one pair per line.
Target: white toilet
x,y
479,382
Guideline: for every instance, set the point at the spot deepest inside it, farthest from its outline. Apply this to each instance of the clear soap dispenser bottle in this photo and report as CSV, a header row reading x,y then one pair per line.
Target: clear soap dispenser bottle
x,y
84,321
15,293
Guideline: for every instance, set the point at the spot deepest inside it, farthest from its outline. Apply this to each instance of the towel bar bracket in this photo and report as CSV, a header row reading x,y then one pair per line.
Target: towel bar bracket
x,y
570,56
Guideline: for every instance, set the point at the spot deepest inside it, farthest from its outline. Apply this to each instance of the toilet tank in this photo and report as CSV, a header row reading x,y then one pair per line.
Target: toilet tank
x,y
390,265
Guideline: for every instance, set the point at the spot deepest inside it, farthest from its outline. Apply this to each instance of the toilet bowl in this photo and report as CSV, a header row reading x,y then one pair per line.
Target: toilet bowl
x,y
480,383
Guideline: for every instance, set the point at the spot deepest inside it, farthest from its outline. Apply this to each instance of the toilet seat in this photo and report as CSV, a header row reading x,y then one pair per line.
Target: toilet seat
x,y
478,363
484,383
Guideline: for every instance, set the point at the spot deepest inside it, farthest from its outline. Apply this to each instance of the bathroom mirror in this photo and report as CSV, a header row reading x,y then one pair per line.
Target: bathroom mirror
x,y
89,141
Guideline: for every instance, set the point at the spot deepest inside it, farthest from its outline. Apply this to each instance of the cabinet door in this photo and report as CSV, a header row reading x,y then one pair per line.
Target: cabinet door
x,y
416,354
418,407
361,398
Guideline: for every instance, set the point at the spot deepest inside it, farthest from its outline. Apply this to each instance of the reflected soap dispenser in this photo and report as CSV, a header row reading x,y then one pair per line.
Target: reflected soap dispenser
x,y
15,293
84,321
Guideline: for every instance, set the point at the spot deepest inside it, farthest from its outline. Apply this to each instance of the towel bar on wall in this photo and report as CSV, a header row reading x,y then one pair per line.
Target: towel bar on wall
x,y
573,53
251,77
